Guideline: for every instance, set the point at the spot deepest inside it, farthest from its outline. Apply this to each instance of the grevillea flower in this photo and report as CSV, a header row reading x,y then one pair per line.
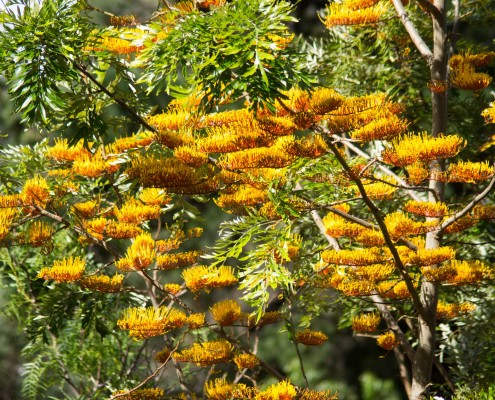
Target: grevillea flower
x,y
121,230
387,340
144,323
219,389
39,233
93,167
173,139
399,225
417,173
411,148
86,209
171,121
269,317
196,320
135,212
372,255
426,209
375,272
484,212
324,100
154,197
471,271
354,287
310,394
242,195
395,290
163,355
425,257
141,394
191,155
378,190
311,338
206,353
226,312
35,192
226,118
477,60
246,361
470,172
438,274
123,144
370,237
178,260
276,125
489,113
61,151
279,391
102,283
263,157
366,323
204,277
119,40
7,217
464,76
163,246
311,146
172,288
67,270
453,310
140,254
341,14
381,129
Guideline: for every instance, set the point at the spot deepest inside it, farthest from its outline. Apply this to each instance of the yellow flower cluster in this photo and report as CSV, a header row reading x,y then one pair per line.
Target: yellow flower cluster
x,y
67,270
206,353
35,192
61,151
395,290
426,209
196,320
378,190
453,310
144,323
439,274
489,113
472,271
123,144
241,195
343,14
178,260
7,217
387,340
246,361
93,167
134,212
190,155
204,277
226,312
139,255
372,273
417,173
279,391
366,323
219,389
154,197
86,209
119,40
121,230
311,338
411,148
102,283
142,394
400,225
464,76
425,257
39,233
269,317
172,288
368,256
262,157
381,129
470,172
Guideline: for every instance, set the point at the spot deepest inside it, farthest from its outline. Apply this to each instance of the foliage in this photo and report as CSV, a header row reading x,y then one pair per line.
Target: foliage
x,y
335,203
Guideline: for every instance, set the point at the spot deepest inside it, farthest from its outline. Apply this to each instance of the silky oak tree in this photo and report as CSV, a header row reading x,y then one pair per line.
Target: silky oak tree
x,y
325,197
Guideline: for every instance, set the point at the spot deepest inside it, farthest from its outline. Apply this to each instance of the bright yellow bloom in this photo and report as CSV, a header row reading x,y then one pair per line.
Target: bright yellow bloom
x,y
387,340
311,146
206,353
173,139
67,270
470,172
134,212
7,217
276,125
311,338
354,287
477,60
172,288
35,192
190,155
142,394
366,323
359,4
61,151
226,118
219,389
399,225
154,197
484,212
95,227
438,274
178,260
425,257
453,310
246,361
411,148
309,394
461,224
119,40
196,320
263,157
269,317
378,190
341,14
86,209
395,290
144,323
203,277
10,200
122,230
426,209
123,144
381,129
171,121
373,273
226,312
489,113
139,255
471,271
163,246
103,283
370,237
368,256
464,76
39,233
324,100
241,195
93,167
279,391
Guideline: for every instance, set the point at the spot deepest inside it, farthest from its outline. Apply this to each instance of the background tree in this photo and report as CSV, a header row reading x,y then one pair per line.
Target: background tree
x,y
250,135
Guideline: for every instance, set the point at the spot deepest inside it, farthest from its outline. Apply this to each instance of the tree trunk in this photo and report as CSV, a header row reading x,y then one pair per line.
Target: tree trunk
x,y
425,352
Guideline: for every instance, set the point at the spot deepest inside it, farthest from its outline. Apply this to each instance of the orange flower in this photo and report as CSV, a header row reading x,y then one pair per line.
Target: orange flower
x,y
66,270
196,321
134,212
203,277
311,338
426,209
387,340
366,323
35,192
61,151
464,76
381,129
280,391
426,257
219,389
246,361
178,260
7,217
206,353
226,312
368,256
144,323
139,255
103,283
453,310
122,230
39,233
341,14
